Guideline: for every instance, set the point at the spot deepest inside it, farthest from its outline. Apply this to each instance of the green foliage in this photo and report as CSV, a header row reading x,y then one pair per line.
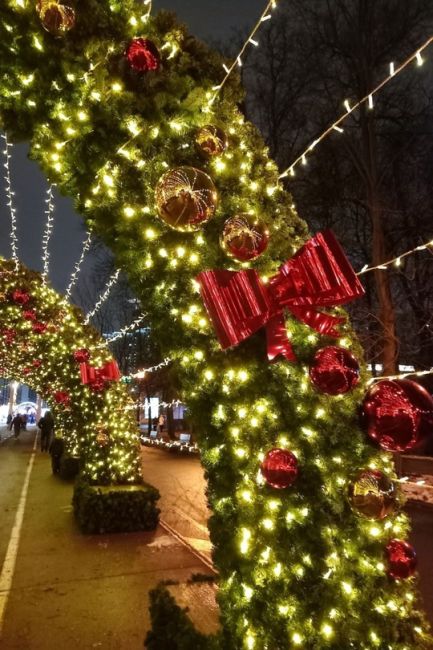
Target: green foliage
x,y
171,627
115,509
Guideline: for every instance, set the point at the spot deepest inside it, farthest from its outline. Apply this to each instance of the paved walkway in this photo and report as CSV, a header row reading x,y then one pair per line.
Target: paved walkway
x,y
73,591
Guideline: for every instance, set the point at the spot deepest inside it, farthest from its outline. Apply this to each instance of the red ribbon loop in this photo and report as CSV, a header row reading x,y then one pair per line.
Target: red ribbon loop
x,y
239,303
109,372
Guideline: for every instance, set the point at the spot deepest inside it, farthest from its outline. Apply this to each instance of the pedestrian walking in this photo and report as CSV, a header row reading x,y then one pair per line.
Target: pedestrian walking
x,y
57,448
16,424
161,424
46,425
9,421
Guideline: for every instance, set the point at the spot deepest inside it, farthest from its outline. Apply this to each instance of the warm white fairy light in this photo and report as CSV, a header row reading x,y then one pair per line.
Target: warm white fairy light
x,y
396,261
368,98
110,284
49,212
76,271
403,375
125,330
10,201
140,374
264,17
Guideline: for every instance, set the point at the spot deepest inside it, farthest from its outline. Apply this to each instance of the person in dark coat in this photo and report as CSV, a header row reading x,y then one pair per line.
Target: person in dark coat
x,y
46,425
9,421
16,424
57,448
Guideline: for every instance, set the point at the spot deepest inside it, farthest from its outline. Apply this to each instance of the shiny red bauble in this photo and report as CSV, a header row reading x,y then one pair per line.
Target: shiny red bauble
x,y
20,297
142,55
334,370
244,237
280,468
39,328
398,414
9,335
82,355
62,397
29,314
402,559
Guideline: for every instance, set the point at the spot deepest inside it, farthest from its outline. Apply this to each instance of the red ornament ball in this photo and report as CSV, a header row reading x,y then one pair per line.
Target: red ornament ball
x,y
82,355
334,370
280,468
20,297
142,55
244,237
37,363
402,559
29,314
9,335
39,328
398,414
62,397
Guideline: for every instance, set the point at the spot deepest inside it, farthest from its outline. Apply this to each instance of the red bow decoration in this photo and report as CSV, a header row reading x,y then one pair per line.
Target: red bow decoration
x,y
91,375
239,303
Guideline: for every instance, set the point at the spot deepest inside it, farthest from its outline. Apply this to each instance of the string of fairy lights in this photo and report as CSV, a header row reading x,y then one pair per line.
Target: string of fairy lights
x,y
104,296
251,40
368,100
126,330
9,198
49,213
77,268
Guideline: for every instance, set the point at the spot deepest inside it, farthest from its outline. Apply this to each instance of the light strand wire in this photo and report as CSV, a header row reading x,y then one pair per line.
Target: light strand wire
x,y
302,158
10,200
49,213
125,330
264,17
403,375
396,261
104,296
77,268
140,374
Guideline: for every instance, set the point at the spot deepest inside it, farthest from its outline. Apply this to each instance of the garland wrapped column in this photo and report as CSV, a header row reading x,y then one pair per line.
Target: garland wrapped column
x,y
121,115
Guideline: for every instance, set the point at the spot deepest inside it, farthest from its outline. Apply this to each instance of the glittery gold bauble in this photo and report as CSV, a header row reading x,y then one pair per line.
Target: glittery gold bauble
x,y
185,198
211,140
56,18
244,237
373,495
102,437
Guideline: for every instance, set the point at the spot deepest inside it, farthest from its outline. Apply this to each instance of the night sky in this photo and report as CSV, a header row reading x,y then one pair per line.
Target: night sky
x,y
212,20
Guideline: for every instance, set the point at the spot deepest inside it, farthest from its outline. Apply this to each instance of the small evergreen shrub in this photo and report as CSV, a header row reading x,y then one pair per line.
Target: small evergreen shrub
x,y
115,508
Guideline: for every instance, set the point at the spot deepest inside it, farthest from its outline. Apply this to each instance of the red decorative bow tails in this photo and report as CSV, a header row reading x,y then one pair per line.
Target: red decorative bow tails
x,y
109,372
239,303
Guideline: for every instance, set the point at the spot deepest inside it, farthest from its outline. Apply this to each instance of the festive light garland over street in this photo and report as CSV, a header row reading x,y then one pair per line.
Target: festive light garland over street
x,y
77,268
367,99
128,328
140,374
10,201
49,212
108,287
264,17
396,261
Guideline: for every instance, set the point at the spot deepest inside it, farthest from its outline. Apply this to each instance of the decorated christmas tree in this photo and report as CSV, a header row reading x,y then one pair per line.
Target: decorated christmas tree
x,y
124,112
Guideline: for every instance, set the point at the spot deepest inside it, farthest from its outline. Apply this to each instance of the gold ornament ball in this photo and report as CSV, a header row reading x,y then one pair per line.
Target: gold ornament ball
x,y
102,438
211,140
56,18
373,495
244,237
186,198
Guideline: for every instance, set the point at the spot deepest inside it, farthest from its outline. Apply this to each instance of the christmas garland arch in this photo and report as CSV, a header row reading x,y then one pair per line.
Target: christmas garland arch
x,y
45,344
307,534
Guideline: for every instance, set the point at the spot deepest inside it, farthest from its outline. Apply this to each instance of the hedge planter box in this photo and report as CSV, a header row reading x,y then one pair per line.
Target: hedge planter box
x,y
115,508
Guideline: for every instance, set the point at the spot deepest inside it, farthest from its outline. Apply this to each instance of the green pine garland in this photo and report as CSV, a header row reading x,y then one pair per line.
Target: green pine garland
x,y
297,567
